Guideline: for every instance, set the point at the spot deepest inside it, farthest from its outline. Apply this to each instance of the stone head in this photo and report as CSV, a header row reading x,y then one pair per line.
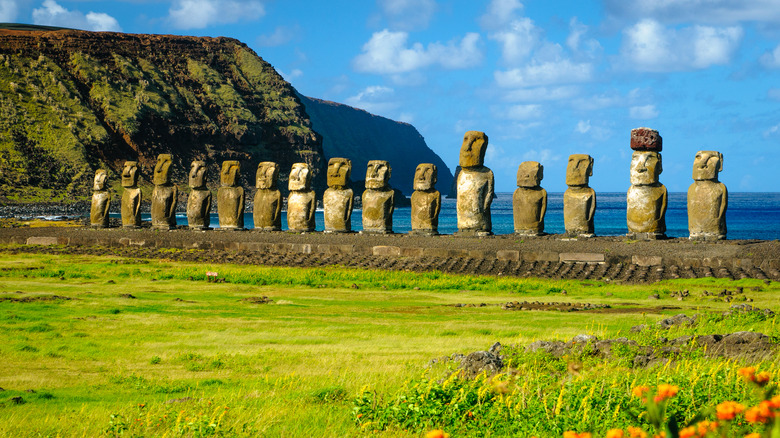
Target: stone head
x,y
645,168
529,174
162,168
339,170
198,174
579,170
267,175
100,180
300,177
706,165
377,174
425,176
130,174
472,151
231,171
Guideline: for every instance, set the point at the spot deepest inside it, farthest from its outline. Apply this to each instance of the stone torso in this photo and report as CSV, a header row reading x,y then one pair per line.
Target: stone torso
x,y
707,202
131,208
300,210
579,204
378,211
646,208
164,206
98,213
230,207
337,204
426,206
529,206
199,208
475,193
268,210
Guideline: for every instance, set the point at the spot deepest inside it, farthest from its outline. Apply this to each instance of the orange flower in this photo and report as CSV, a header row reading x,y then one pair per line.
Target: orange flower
x,y
573,434
728,410
753,435
438,433
688,432
640,391
665,391
615,433
706,426
761,413
774,402
749,373
762,378
635,432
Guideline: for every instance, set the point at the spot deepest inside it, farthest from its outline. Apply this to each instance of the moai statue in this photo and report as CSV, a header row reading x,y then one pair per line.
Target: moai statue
x,y
337,200
426,201
378,199
647,198
199,202
707,198
579,200
101,200
131,198
268,199
164,195
529,202
301,203
230,197
475,187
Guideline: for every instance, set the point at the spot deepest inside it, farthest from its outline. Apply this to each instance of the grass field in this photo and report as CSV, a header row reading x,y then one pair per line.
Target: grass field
x,y
96,346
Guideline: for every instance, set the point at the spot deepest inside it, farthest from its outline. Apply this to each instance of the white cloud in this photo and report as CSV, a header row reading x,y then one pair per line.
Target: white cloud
x,y
561,71
388,53
523,112
52,14
774,94
518,40
293,74
643,112
500,13
9,10
700,11
408,14
773,131
375,99
537,94
649,46
281,35
543,156
771,59
583,126
576,31
198,14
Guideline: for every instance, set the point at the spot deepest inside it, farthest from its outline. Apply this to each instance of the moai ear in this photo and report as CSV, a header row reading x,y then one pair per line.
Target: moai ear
x,y
389,170
590,167
660,164
720,166
541,172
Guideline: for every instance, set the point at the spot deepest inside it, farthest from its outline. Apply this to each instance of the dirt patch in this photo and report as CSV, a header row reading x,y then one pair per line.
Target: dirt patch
x,y
36,299
257,300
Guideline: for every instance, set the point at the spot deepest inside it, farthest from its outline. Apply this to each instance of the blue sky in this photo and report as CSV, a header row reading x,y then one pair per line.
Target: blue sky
x,y
544,79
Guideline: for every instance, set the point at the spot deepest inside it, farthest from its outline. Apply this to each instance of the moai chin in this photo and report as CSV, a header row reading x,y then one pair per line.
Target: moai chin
x,y
707,198
301,203
131,197
647,198
378,199
426,201
164,195
475,185
338,198
267,212
579,200
230,197
101,200
199,201
529,202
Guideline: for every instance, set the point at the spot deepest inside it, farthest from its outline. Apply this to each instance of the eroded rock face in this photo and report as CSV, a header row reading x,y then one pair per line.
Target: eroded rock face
x,y
475,187
579,200
338,198
267,212
707,198
426,201
529,202
101,199
199,201
300,202
647,198
230,197
378,199
164,195
131,197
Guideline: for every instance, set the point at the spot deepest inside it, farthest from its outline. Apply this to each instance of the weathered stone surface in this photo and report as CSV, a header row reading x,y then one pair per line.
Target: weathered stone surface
x,y
475,184
300,202
230,197
378,199
338,198
529,202
646,139
267,212
582,257
426,201
101,199
131,197
647,198
164,195
707,198
579,200
199,201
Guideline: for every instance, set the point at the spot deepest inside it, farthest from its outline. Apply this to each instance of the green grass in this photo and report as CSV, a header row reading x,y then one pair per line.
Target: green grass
x,y
187,357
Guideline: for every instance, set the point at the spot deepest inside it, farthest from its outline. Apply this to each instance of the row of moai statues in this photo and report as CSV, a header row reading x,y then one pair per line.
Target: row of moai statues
x,y
647,198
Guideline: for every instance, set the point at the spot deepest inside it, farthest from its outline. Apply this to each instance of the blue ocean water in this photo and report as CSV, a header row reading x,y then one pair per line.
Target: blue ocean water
x,y
749,216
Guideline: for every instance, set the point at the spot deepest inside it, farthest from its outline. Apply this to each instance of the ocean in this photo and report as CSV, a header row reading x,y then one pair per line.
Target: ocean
x,y
749,216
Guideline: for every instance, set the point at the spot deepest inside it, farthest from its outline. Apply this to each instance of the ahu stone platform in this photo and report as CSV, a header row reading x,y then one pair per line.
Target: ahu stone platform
x,y
551,256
